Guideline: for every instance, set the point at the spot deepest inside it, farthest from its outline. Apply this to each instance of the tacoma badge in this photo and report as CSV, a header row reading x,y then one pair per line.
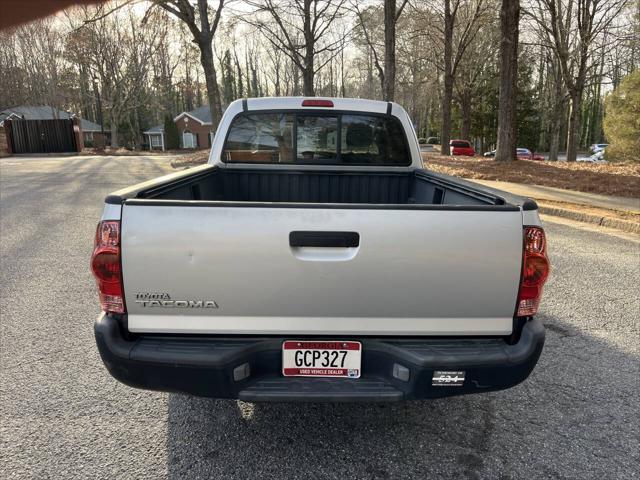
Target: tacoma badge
x,y
165,300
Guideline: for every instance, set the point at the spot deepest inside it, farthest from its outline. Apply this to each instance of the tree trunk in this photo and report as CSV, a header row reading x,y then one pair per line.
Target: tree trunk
x,y
445,135
507,116
542,73
556,122
136,129
465,107
445,138
211,80
277,83
307,82
296,82
308,72
114,132
573,130
596,123
388,92
342,89
370,74
556,125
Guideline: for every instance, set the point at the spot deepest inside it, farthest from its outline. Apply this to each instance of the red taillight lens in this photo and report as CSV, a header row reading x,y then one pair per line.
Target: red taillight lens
x,y
535,270
105,265
317,103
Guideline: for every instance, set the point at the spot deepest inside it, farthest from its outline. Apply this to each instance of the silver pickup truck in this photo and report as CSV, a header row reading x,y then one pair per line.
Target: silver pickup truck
x,y
313,258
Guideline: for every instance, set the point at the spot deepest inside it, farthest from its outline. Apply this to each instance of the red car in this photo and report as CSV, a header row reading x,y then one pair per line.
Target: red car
x,y
526,154
461,147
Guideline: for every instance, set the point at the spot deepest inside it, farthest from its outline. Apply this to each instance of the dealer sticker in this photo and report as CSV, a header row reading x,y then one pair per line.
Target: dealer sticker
x,y
443,378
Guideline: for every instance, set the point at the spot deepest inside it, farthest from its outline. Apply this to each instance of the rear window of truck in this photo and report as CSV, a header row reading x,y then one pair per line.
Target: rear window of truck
x,y
313,138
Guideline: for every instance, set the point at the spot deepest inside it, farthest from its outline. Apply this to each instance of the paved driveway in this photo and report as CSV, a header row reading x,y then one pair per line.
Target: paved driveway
x,y
62,416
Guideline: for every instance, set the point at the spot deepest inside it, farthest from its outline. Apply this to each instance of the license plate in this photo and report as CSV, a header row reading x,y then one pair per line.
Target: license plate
x,y
305,358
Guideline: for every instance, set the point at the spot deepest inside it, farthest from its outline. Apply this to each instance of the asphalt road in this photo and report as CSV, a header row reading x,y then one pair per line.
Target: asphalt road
x,y
63,416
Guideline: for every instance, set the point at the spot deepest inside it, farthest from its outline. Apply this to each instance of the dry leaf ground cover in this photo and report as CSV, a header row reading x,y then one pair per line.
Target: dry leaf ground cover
x,y
619,179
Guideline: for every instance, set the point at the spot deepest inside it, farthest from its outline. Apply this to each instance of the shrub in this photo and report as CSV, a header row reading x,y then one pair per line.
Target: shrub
x,y
622,119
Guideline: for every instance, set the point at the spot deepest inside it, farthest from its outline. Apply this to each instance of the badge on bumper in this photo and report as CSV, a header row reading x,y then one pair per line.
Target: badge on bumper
x,y
443,378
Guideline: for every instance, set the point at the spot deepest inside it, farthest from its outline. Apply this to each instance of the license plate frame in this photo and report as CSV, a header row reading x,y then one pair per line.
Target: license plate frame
x,y
331,365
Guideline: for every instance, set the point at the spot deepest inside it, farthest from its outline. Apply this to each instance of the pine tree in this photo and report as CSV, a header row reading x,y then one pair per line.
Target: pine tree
x,y
171,134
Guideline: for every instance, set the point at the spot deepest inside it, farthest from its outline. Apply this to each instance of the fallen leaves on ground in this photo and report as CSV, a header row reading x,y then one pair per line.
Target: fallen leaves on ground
x,y
191,159
619,179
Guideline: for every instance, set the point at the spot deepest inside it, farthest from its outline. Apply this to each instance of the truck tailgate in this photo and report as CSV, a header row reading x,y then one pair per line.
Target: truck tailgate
x,y
195,268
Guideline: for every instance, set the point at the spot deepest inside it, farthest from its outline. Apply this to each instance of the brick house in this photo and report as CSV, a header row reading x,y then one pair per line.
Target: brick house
x,y
195,128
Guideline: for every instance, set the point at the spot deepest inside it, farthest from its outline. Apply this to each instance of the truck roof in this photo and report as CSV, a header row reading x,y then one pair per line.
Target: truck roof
x,y
349,104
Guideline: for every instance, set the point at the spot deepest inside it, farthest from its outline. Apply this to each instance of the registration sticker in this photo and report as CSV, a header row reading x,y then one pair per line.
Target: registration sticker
x,y
310,358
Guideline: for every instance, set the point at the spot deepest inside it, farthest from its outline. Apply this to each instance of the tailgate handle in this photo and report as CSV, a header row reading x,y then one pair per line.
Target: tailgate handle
x,y
324,239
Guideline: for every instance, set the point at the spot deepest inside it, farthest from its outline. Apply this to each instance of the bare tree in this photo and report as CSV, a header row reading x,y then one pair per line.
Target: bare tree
x,y
468,84
386,69
31,65
117,49
298,28
570,29
459,21
148,65
507,119
368,26
203,24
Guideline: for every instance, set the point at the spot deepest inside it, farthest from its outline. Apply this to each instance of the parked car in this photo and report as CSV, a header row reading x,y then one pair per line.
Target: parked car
x,y
462,147
598,147
294,266
521,153
597,157
526,154
426,148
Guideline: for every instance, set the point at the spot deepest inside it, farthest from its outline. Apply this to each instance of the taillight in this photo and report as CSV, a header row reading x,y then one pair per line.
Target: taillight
x,y
317,103
105,265
535,270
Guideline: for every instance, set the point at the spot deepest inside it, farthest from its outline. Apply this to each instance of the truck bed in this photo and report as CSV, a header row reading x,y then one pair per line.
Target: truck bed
x,y
433,237
237,185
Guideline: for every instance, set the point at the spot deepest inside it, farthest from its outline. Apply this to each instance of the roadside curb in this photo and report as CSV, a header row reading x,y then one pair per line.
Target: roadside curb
x,y
624,225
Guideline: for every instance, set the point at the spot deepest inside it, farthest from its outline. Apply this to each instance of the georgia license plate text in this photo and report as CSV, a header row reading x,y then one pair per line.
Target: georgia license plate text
x,y
302,358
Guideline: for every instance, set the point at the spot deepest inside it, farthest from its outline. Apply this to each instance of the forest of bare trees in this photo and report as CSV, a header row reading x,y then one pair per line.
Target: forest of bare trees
x,y
129,64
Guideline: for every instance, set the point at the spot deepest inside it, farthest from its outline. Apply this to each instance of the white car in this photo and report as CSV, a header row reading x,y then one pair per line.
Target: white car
x,y
598,147
597,157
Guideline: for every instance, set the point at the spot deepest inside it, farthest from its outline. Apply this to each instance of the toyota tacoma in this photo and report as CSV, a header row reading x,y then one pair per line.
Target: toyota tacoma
x,y
315,259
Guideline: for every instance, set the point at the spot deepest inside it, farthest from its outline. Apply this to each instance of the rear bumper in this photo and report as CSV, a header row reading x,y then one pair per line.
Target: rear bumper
x,y
205,366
